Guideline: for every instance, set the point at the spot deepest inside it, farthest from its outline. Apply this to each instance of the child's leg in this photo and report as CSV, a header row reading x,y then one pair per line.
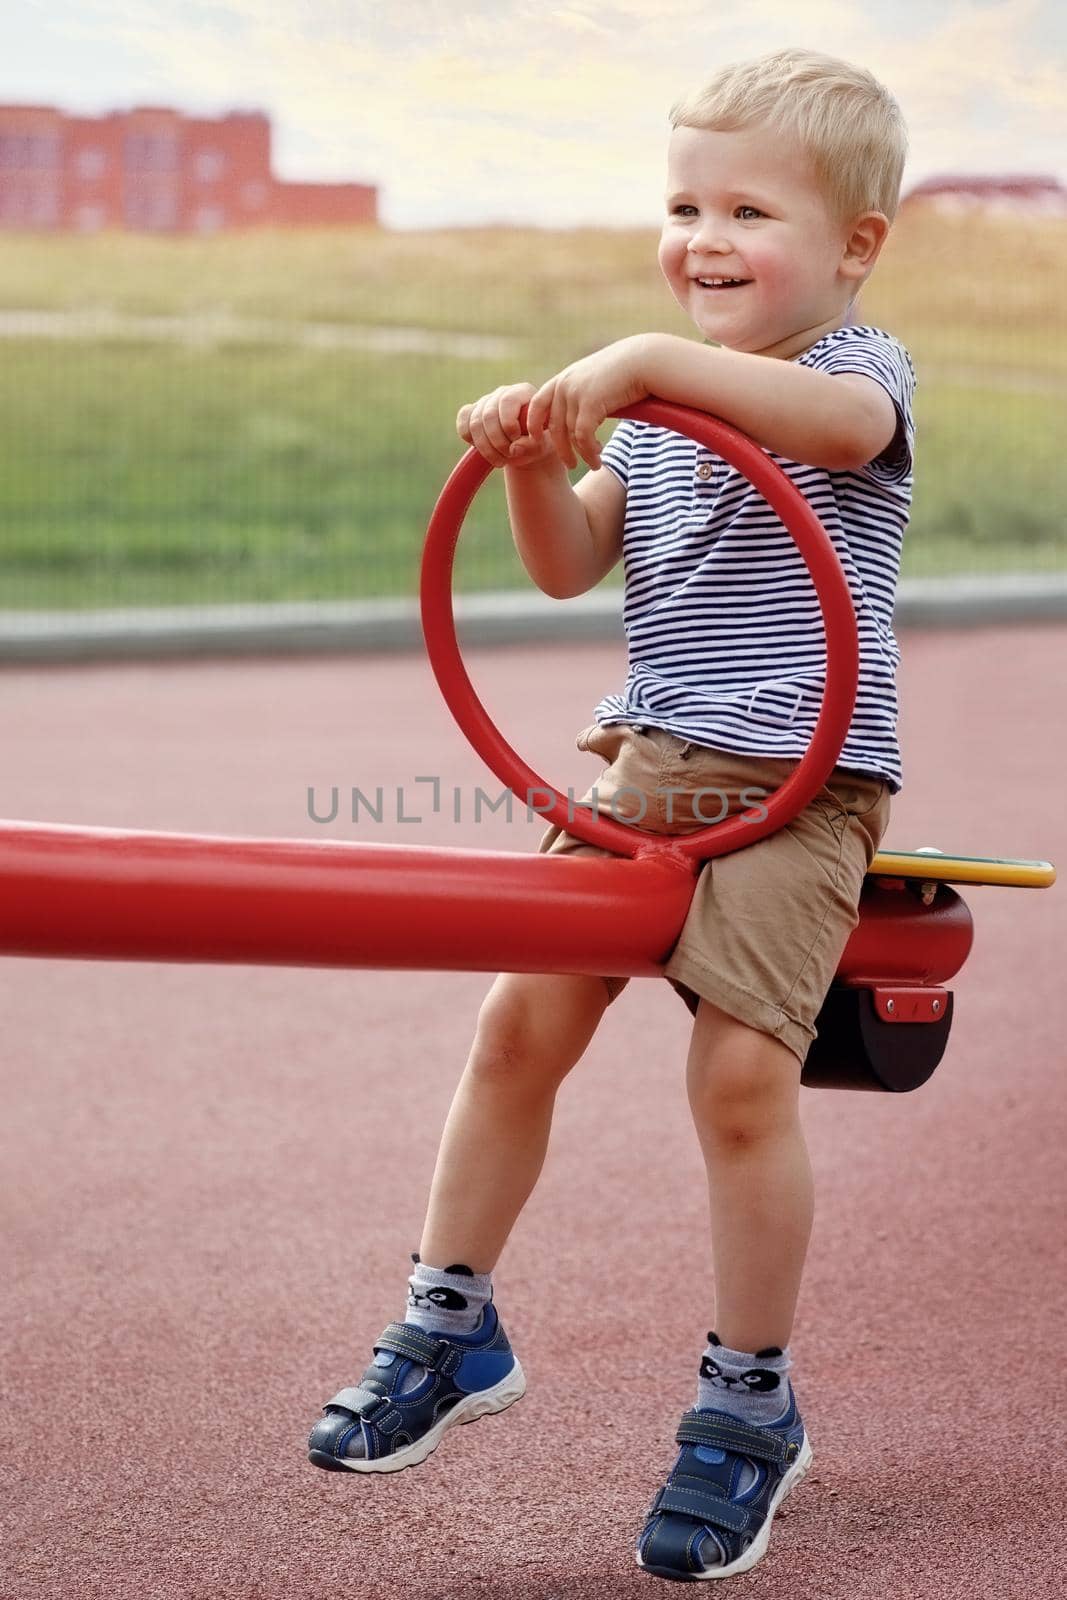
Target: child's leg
x,y
744,1092
532,1029
744,1445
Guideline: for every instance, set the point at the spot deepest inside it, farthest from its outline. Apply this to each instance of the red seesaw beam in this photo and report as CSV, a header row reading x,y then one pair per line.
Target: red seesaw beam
x,y
106,894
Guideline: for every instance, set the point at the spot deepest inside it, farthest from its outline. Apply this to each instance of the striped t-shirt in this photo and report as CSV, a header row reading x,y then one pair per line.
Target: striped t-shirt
x,y
724,631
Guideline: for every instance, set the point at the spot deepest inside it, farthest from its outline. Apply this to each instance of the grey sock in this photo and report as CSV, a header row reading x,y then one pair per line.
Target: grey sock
x,y
447,1299
751,1385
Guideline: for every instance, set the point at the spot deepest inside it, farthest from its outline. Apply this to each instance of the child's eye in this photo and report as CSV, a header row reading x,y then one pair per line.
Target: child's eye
x,y
684,210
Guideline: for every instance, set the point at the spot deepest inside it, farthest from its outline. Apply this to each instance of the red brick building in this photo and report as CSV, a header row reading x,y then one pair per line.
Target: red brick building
x,y
154,170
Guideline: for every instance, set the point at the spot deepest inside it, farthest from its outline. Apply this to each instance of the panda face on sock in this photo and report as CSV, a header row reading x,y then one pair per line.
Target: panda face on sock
x,y
444,1299
757,1380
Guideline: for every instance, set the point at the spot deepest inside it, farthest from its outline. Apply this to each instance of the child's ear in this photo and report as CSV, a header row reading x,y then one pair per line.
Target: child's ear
x,y
863,244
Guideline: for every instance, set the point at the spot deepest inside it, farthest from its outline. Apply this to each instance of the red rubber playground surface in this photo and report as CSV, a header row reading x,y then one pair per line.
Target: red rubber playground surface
x,y
215,1176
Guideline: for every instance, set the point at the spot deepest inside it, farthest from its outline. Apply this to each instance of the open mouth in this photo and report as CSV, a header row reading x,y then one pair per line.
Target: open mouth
x,y
722,283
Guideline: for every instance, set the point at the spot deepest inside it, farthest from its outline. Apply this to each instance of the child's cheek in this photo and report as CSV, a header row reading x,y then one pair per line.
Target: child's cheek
x,y
671,256
772,271
673,264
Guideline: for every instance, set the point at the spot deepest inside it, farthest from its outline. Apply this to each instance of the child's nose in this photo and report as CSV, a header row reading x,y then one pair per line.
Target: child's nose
x,y
708,238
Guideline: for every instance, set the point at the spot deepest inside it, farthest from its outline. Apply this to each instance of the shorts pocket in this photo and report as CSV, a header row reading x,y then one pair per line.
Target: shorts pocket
x,y
826,800
602,738
856,796
626,787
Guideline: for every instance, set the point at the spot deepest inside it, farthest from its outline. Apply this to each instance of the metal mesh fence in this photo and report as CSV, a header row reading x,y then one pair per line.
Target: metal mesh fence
x,y
271,417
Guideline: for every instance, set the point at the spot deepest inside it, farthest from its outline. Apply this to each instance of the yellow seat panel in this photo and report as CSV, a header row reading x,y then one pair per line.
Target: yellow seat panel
x,y
935,867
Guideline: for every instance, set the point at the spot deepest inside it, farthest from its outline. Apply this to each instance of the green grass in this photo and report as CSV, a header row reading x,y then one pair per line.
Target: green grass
x,y
991,484
156,473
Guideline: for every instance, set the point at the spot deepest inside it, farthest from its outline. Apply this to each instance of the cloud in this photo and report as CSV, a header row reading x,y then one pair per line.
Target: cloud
x,y
517,109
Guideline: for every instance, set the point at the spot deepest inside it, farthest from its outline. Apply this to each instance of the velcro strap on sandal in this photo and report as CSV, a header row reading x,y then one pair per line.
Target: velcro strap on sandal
x,y
730,1433
415,1343
702,1502
358,1401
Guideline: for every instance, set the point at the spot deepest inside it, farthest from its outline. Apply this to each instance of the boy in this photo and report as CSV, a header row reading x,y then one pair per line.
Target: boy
x,y
783,179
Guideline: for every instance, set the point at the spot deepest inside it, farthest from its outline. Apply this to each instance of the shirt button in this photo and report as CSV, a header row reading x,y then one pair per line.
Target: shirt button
x,y
705,469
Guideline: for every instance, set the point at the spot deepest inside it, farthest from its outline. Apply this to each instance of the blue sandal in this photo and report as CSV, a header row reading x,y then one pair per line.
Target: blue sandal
x,y
713,1517
382,1426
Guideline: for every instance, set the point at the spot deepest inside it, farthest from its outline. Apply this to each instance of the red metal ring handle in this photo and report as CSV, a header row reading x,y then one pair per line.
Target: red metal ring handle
x,y
835,603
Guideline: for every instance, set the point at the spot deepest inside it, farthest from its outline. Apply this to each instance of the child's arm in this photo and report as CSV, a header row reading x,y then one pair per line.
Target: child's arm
x,y
567,537
835,422
839,423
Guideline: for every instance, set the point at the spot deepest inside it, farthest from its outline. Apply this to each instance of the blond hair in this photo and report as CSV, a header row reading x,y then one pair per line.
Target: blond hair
x,y
847,123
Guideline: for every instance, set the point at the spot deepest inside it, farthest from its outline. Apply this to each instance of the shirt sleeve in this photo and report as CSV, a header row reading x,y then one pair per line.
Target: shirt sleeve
x,y
878,355
616,453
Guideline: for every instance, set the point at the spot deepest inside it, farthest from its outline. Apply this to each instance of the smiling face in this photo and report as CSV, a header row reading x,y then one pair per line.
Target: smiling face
x,y
746,205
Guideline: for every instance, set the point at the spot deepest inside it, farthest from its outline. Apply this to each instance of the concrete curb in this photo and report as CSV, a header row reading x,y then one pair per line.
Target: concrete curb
x,y
503,617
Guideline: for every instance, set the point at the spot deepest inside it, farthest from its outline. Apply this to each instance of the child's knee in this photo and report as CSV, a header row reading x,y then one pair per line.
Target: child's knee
x,y
739,1117
536,1024
743,1086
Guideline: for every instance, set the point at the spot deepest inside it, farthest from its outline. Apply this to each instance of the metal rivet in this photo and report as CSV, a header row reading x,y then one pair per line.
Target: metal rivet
x,y
937,1005
891,1005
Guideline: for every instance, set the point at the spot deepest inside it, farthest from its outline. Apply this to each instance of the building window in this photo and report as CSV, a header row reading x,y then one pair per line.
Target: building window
x,y
13,151
46,151
209,165
91,162
150,152
30,152
30,205
44,207
154,210
209,219
12,204
89,219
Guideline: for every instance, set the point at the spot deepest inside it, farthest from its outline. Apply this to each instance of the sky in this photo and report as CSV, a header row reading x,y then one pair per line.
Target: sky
x,y
526,112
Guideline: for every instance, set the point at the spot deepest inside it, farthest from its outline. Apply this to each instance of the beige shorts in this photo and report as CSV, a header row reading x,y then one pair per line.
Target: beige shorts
x,y
769,922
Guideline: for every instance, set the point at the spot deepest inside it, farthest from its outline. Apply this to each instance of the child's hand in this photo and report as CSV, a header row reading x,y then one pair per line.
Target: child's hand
x,y
570,407
492,426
